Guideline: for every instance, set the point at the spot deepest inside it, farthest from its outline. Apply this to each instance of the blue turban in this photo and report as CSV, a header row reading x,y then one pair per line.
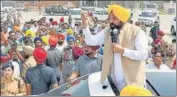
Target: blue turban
x,y
37,39
70,37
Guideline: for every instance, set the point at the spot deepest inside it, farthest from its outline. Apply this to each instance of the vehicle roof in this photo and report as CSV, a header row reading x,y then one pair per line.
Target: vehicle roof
x,y
163,81
76,9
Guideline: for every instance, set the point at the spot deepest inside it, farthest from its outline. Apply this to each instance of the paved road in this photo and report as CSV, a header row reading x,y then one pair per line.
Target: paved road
x,y
165,22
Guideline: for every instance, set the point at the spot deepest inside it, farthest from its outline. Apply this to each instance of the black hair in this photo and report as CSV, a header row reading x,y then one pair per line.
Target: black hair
x,y
173,40
8,64
11,32
51,19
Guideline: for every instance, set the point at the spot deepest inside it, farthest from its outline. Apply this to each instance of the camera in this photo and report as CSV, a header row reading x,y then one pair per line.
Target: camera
x,y
68,48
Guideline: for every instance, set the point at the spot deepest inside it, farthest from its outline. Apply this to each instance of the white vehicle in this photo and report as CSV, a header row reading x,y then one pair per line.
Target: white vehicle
x,y
148,17
76,15
101,14
173,27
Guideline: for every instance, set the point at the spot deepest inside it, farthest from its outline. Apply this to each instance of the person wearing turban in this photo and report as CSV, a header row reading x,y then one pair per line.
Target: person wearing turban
x,y
54,58
88,63
135,91
41,78
160,34
125,56
30,33
69,31
62,20
16,28
61,42
70,40
29,59
38,42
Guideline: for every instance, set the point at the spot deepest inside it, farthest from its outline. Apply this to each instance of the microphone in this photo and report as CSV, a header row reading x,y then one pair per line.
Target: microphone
x,y
114,34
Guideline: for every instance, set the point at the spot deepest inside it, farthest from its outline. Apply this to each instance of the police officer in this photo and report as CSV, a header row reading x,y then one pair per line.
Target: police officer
x,y
10,85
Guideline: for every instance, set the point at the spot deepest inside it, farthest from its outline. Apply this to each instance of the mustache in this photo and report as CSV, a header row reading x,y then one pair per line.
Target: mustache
x,y
113,26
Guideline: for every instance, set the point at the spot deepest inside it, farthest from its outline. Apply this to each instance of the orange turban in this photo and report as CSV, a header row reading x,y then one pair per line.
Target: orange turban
x,y
61,36
53,40
16,28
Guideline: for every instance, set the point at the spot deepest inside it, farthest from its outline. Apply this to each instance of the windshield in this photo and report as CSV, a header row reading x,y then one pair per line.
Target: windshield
x,y
150,6
72,89
75,12
147,14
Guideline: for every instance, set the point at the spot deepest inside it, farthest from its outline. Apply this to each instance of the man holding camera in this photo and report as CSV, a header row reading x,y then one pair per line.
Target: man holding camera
x,y
125,58
88,63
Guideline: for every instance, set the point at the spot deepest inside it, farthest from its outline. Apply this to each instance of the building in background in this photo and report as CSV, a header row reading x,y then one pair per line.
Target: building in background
x,y
170,7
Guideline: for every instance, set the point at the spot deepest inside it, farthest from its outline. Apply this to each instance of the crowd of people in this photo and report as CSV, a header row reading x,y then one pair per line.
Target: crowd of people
x,y
43,54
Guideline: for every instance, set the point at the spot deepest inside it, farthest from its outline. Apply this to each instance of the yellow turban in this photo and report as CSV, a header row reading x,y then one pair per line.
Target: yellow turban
x,y
45,39
135,91
120,12
29,32
69,31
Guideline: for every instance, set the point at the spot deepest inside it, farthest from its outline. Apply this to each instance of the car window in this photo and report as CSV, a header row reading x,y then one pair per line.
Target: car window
x,y
98,12
147,14
75,12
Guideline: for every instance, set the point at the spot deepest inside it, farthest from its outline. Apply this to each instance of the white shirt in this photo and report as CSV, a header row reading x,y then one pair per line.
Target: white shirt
x,y
141,52
16,69
153,66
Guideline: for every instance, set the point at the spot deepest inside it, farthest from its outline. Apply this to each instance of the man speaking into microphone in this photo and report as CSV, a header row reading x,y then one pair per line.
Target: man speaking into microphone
x,y
124,56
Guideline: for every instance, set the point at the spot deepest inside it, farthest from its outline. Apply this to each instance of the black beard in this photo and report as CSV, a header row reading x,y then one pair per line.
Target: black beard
x,y
113,26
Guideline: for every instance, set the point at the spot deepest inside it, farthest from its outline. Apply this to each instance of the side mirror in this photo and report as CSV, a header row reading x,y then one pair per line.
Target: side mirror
x,y
175,19
139,15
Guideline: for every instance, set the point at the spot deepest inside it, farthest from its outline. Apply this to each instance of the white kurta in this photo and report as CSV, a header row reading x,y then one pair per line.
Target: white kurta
x,y
153,66
141,52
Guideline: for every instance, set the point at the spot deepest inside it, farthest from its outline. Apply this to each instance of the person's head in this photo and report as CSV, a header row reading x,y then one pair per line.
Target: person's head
x,y
8,70
38,42
40,55
28,51
156,24
78,36
61,39
173,41
132,90
118,15
137,23
35,24
12,36
14,56
64,25
5,29
62,20
157,58
77,42
171,50
131,21
53,40
160,34
44,19
39,22
157,44
70,40
90,50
